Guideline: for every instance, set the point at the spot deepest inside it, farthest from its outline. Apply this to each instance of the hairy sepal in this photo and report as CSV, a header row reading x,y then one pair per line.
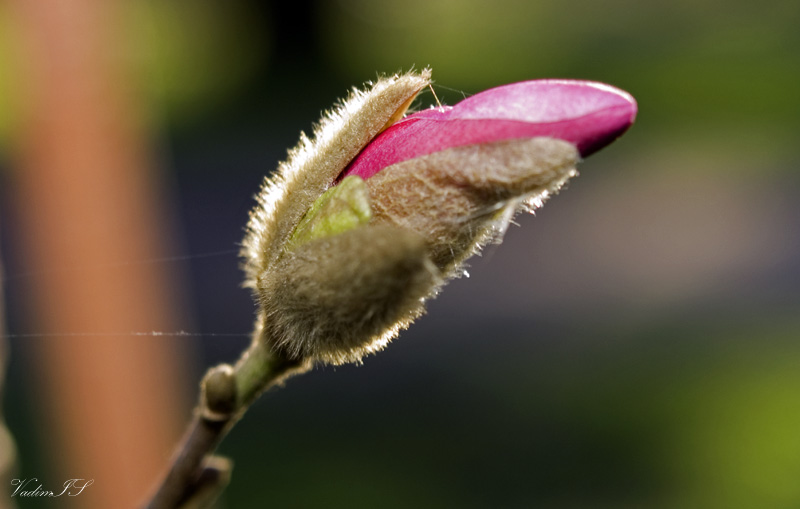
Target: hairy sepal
x,y
460,198
316,162
338,298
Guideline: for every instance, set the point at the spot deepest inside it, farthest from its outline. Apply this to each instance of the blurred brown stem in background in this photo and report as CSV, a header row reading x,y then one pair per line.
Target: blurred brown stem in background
x,y
88,197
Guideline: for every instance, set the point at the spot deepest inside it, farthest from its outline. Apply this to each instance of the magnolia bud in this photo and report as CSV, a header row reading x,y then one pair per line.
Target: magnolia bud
x,y
341,264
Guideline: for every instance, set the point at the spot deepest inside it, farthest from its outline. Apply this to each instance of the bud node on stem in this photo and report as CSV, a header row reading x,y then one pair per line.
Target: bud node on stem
x,y
219,393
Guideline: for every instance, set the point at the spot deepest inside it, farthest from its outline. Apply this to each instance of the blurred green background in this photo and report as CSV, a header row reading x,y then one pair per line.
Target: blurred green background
x,y
637,344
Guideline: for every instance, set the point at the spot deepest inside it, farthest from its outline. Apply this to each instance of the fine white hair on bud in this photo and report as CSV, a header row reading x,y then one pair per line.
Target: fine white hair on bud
x,y
316,162
462,197
340,297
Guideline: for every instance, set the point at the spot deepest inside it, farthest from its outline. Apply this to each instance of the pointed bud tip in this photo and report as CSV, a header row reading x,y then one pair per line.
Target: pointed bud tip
x,y
588,114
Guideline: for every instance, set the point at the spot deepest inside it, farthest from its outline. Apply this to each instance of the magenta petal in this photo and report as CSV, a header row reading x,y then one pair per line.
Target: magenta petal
x,y
591,115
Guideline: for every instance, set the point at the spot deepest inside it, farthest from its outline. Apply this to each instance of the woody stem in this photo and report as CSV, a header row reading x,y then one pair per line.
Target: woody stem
x,y
194,472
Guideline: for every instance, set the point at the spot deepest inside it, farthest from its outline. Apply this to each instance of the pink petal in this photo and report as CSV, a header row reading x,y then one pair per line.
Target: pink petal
x,y
591,115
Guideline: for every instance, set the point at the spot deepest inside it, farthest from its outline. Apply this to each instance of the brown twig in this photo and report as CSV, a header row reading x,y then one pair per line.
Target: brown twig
x,y
226,393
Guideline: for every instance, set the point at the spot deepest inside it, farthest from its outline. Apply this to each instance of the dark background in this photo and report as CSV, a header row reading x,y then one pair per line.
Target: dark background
x,y
636,344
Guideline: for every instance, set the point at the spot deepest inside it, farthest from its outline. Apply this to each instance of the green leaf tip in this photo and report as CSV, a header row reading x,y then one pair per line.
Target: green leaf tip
x,y
339,209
